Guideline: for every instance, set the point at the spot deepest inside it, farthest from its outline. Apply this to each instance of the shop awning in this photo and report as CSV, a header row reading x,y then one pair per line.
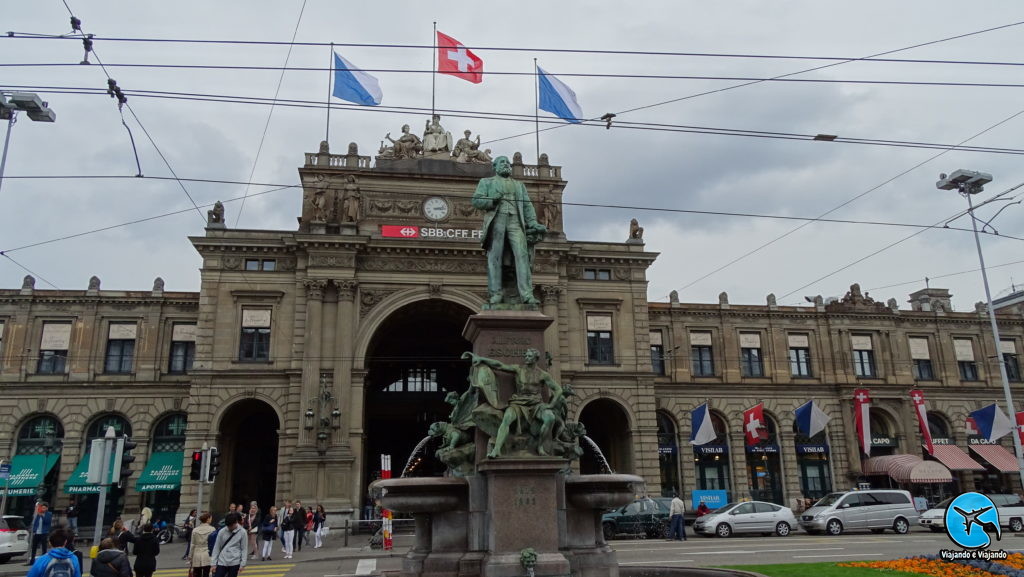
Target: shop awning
x,y
162,473
78,484
955,458
28,472
908,469
997,456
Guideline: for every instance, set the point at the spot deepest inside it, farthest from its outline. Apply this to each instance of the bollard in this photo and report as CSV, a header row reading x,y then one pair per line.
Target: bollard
x,y
346,532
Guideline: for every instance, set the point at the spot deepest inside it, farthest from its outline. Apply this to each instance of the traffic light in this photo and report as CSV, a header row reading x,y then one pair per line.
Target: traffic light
x,y
214,464
197,466
123,458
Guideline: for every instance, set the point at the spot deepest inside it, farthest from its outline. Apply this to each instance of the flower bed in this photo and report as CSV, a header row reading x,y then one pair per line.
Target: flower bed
x,y
932,565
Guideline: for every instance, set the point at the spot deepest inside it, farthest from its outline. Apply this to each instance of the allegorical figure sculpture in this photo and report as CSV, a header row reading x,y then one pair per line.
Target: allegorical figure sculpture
x,y
350,204
216,214
468,150
510,222
636,232
319,199
435,137
407,146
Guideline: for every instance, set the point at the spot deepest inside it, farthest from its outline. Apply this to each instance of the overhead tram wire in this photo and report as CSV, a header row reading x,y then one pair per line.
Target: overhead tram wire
x,y
946,275
270,114
514,117
610,52
26,269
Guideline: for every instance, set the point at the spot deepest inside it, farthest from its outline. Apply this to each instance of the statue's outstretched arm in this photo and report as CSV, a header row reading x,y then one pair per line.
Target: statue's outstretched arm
x,y
494,364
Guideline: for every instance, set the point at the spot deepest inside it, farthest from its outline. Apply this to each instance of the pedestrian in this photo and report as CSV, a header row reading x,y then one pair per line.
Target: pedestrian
x,y
319,526
147,547
110,561
308,528
199,561
284,510
42,521
299,524
228,556
702,509
251,523
59,561
188,527
288,532
121,535
678,526
269,533
72,514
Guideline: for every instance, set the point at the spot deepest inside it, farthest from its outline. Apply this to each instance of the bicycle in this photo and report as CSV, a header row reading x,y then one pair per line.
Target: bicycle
x,y
168,533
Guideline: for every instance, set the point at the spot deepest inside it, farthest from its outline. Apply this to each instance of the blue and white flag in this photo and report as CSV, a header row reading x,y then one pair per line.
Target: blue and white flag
x,y
992,423
354,85
557,98
810,419
703,431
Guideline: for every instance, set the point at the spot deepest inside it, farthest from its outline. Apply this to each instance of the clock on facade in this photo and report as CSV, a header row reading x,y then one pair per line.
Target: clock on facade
x,y
436,208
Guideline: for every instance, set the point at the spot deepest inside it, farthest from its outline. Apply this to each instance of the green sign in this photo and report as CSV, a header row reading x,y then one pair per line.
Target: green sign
x,y
78,483
162,473
28,472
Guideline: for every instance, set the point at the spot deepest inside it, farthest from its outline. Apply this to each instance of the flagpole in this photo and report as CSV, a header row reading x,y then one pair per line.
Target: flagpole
x,y
536,106
433,71
330,77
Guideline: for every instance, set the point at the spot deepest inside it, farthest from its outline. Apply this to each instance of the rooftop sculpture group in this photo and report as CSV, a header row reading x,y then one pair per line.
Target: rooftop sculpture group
x,y
436,143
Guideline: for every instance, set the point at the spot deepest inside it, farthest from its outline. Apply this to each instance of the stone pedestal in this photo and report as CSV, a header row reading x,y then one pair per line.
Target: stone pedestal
x,y
505,335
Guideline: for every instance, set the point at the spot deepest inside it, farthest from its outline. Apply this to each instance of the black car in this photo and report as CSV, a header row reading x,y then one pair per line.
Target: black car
x,y
646,516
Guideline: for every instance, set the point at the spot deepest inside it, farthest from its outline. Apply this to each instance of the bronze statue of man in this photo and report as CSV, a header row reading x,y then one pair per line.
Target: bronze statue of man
x,y
509,219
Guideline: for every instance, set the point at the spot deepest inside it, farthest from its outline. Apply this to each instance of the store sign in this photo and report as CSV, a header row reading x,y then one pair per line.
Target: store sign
x,y
762,449
883,442
411,231
713,499
812,449
5,471
942,441
666,450
980,441
711,450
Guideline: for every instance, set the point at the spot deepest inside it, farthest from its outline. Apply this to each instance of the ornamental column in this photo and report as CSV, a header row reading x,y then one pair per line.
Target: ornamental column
x,y
551,294
312,362
344,356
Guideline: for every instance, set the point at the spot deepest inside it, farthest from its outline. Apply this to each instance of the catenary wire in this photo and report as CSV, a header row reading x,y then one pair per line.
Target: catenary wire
x,y
26,269
946,275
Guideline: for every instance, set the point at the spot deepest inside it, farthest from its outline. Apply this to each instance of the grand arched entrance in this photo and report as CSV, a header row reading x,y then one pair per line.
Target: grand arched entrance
x,y
248,439
607,425
413,362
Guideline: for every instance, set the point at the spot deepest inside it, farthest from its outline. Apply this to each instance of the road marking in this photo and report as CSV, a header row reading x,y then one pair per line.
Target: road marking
x,y
276,570
756,551
366,566
846,555
666,562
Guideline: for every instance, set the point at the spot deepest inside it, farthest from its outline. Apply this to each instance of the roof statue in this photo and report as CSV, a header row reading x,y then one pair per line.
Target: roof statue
x,y
435,137
468,150
407,146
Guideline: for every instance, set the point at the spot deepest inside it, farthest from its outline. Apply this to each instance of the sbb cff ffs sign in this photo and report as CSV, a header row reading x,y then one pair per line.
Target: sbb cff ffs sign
x,y
410,231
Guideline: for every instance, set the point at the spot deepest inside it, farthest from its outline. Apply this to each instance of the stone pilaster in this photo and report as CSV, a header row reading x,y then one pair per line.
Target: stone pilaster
x,y
343,355
312,354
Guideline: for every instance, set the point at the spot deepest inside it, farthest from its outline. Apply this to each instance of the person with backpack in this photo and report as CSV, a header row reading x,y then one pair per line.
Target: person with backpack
x,y
269,533
228,556
110,561
288,532
59,561
147,547
199,559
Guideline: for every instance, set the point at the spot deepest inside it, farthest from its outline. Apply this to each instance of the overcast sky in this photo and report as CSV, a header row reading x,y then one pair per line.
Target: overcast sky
x,y
622,166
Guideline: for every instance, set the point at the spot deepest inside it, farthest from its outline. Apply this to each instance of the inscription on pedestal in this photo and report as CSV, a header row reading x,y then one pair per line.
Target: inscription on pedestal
x,y
526,497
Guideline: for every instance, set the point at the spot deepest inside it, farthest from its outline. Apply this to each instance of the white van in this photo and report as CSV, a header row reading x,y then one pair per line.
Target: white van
x,y
874,509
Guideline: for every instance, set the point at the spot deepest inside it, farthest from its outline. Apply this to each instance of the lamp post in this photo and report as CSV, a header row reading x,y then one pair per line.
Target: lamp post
x,y
969,183
10,105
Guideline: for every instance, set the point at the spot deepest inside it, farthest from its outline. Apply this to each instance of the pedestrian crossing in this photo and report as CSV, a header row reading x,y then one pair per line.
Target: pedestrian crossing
x,y
251,570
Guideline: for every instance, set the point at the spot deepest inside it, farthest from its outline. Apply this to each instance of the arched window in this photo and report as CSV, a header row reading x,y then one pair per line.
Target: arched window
x,y
37,433
721,431
668,455
169,434
802,439
98,428
938,426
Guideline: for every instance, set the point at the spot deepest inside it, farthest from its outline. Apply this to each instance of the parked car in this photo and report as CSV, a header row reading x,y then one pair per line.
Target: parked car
x,y
645,516
1010,508
874,509
746,517
13,537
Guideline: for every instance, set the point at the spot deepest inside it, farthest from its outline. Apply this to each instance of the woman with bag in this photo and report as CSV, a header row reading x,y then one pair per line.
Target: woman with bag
x,y
251,523
288,532
190,524
199,560
269,533
146,549
319,526
110,561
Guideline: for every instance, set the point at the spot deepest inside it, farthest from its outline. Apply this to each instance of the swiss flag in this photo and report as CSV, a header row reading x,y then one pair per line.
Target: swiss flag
x,y
1020,426
754,428
454,59
862,418
917,397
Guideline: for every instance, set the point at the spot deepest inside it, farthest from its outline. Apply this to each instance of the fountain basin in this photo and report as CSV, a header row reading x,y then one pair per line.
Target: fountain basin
x,y
601,491
423,494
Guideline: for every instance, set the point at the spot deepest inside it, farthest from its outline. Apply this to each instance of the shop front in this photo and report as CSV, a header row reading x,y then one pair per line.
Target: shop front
x,y
764,467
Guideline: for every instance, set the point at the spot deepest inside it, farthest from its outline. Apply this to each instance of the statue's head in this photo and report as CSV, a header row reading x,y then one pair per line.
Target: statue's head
x,y
467,133
531,355
502,166
405,128
437,118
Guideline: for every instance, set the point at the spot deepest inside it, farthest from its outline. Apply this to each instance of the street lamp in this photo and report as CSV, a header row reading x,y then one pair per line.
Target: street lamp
x,y
969,183
30,104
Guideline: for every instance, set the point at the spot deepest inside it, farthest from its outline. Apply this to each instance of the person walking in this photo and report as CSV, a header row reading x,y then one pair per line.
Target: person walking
x,y
269,532
189,526
308,528
199,561
72,514
288,532
228,556
284,510
121,535
319,526
110,561
59,560
147,547
42,522
251,524
299,524
677,524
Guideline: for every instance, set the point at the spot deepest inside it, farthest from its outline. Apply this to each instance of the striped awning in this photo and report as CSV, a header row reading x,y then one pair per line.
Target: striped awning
x,y
956,459
997,456
908,469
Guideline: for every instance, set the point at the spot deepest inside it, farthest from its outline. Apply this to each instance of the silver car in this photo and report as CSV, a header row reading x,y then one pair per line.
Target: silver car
x,y
13,537
747,517
874,509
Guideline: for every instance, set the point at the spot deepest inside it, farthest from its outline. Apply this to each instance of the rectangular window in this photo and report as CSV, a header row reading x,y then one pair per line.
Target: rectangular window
x,y
597,274
863,356
922,369
53,348
751,362
799,355
120,348
964,349
183,348
254,344
252,264
920,355
599,340
1008,349
702,363
260,264
657,353
269,265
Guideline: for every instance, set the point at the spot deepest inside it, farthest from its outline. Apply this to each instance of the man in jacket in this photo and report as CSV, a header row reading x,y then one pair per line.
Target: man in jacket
x,y
299,522
228,556
59,553
40,528
676,510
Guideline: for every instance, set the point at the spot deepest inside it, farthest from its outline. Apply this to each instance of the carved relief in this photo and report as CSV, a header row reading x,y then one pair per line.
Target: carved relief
x,y
423,265
407,206
575,272
370,298
314,288
622,273
232,262
381,206
465,209
287,263
435,290
346,289
333,260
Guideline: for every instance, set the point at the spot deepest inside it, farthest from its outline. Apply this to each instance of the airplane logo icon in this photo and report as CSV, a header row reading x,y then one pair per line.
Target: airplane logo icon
x,y
967,512
971,518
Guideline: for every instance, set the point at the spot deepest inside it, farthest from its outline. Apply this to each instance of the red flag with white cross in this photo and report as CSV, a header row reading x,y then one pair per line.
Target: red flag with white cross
x,y
862,418
755,429
1020,426
917,397
453,58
